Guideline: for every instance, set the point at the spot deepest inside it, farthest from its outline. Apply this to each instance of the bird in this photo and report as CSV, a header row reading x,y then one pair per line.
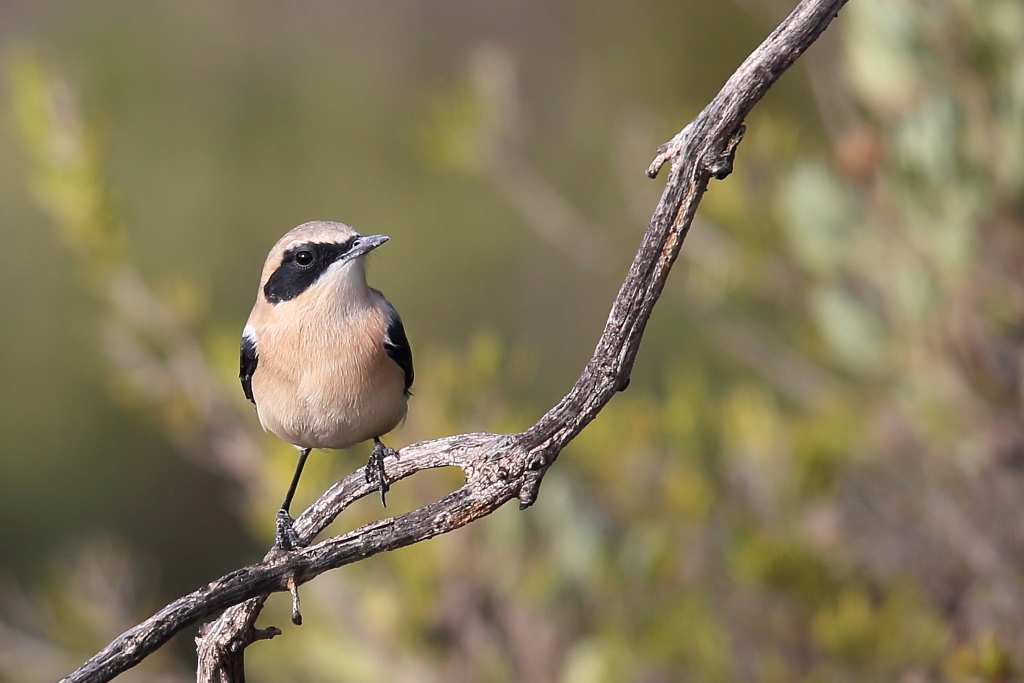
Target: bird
x,y
324,357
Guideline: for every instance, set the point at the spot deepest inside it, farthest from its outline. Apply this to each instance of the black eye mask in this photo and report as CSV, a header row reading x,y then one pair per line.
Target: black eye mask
x,y
301,266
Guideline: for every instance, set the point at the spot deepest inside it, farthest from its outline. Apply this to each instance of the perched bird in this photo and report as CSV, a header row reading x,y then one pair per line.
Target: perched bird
x,y
324,356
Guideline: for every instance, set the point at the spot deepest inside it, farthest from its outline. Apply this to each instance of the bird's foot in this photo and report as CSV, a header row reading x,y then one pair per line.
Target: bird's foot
x,y
285,537
375,469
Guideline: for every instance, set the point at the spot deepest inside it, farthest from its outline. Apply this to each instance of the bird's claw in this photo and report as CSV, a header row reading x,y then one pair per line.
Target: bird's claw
x,y
375,469
285,537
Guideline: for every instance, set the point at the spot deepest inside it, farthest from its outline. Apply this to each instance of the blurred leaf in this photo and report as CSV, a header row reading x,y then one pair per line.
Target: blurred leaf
x,y
820,218
853,332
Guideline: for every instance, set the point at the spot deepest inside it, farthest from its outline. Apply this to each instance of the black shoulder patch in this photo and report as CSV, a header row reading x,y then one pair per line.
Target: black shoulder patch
x,y
396,344
300,267
247,365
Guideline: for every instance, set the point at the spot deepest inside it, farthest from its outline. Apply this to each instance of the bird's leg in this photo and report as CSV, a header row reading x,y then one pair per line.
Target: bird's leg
x,y
375,468
285,537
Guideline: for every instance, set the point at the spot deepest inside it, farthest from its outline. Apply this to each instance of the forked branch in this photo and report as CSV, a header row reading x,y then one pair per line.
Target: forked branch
x,y
498,467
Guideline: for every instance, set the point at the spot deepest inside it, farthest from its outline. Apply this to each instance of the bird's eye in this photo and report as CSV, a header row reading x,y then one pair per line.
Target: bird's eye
x,y
304,257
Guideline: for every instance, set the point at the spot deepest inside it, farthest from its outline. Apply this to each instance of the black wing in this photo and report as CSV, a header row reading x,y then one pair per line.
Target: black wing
x,y
397,345
247,365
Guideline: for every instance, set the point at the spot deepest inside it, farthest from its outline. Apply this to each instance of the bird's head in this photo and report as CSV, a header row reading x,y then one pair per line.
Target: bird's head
x,y
319,257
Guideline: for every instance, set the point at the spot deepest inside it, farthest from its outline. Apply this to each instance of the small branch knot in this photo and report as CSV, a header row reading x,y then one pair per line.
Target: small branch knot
x,y
670,151
537,465
266,633
721,166
530,489
293,588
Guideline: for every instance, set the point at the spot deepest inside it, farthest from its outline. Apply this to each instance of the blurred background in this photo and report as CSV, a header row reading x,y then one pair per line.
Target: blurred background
x,y
817,473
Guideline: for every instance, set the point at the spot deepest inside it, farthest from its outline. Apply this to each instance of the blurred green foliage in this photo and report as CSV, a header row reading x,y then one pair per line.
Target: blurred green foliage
x,y
816,474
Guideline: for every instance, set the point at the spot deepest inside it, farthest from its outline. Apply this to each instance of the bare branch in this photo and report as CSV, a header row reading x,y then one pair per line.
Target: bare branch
x,y
497,467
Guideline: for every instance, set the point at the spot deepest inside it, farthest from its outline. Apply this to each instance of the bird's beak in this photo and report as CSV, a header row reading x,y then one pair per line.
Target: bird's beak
x,y
364,244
